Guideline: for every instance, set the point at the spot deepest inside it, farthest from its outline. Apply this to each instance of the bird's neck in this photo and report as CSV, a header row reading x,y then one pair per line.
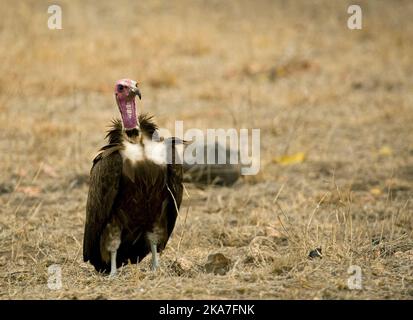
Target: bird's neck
x,y
133,135
128,112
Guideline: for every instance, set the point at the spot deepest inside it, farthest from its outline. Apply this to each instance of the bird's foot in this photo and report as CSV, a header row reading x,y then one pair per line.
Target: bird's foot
x,y
155,266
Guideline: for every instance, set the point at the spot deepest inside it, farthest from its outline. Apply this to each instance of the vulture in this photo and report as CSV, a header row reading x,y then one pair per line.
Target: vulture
x,y
135,189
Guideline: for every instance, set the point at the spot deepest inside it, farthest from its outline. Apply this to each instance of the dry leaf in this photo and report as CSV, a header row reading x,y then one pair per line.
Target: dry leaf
x,y
29,191
385,151
375,191
290,159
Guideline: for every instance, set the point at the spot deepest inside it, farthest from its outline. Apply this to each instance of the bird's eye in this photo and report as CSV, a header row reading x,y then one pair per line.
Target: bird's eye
x,y
120,87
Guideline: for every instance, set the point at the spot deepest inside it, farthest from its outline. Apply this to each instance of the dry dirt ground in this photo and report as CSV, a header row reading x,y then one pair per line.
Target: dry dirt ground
x,y
335,110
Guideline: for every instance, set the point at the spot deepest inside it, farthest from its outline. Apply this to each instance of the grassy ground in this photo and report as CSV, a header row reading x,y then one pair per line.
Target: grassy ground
x,y
340,99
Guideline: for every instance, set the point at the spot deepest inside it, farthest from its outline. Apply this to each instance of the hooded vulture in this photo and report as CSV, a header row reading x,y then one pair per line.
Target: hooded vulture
x,y
135,190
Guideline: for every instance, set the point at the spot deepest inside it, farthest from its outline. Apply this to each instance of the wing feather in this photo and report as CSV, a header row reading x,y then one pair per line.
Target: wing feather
x,y
104,185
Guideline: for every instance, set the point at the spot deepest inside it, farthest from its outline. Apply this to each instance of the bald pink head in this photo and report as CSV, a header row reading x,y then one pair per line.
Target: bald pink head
x,y
125,92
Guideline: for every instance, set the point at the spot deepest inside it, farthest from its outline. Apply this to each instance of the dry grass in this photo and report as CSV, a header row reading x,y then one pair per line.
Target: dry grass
x,y
292,69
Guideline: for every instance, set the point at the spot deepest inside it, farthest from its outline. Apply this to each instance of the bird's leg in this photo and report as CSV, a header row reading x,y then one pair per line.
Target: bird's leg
x,y
112,240
155,260
153,241
112,263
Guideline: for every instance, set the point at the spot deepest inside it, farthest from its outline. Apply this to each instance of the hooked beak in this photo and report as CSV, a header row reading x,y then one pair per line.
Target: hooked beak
x,y
136,92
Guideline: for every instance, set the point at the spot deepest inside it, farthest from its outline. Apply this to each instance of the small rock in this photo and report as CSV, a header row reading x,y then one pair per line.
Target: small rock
x,y
316,253
357,85
218,264
375,241
5,188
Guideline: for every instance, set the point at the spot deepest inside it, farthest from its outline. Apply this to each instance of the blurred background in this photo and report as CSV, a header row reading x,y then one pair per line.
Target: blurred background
x,y
335,110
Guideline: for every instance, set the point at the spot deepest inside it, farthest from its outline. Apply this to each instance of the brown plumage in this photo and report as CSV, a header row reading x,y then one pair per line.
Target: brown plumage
x,y
132,206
